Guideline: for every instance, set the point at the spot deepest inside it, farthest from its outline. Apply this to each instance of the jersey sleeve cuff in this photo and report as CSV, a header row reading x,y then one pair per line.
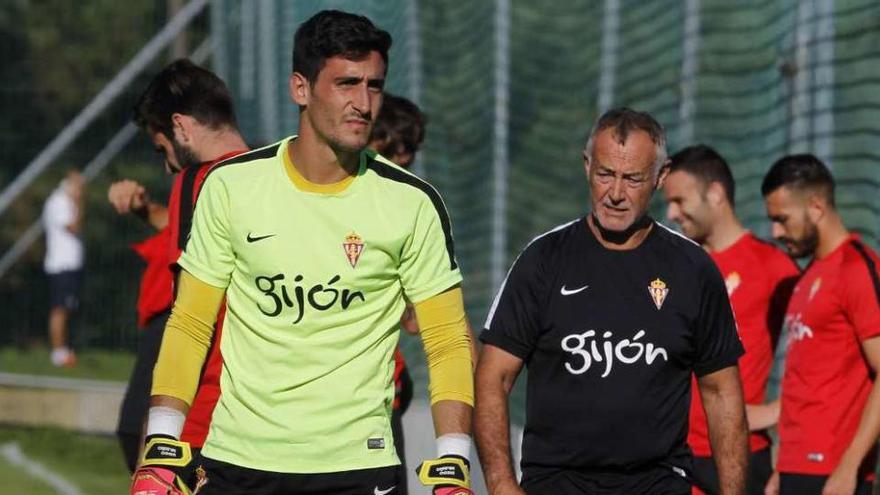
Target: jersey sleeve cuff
x,y
432,290
458,397
505,343
200,272
703,369
175,392
868,334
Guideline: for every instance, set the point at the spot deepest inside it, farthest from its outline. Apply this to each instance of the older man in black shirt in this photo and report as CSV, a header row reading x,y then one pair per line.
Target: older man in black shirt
x,y
612,313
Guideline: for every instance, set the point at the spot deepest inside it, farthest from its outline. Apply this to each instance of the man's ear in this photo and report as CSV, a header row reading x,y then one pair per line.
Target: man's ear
x,y
817,206
715,193
586,157
183,127
299,89
664,172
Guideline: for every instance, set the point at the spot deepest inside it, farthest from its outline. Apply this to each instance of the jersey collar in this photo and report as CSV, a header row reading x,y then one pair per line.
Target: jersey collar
x,y
306,185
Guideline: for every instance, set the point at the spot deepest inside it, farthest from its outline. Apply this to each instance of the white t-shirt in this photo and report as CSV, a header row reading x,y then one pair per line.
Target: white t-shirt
x,y
64,249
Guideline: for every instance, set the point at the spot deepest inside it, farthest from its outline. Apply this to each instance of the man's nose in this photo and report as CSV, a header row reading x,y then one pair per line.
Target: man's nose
x,y
672,212
616,192
776,230
361,100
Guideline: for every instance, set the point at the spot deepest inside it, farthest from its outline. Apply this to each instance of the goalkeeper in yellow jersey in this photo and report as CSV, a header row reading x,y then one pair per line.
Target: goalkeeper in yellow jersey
x,y
314,241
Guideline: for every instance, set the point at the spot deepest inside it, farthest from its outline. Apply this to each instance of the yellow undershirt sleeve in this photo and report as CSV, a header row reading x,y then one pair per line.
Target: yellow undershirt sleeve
x,y
187,338
447,347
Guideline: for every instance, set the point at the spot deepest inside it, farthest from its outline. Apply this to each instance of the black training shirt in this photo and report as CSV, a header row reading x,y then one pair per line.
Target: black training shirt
x,y
610,339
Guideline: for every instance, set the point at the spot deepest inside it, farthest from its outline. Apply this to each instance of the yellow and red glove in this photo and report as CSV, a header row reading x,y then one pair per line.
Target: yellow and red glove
x,y
164,457
448,475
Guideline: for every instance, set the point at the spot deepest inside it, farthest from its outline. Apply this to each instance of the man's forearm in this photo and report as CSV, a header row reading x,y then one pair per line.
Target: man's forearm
x,y
492,432
866,434
730,447
728,429
186,339
451,416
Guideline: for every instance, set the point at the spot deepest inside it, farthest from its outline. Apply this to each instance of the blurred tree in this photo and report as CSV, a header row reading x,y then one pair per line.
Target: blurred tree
x,y
57,55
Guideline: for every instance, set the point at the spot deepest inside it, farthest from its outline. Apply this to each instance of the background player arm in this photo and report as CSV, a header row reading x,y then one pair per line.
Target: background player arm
x,y
496,373
128,196
762,416
725,412
844,477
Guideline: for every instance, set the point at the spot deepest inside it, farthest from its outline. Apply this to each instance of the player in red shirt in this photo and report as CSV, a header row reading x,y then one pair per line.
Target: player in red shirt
x,y
188,113
830,414
700,193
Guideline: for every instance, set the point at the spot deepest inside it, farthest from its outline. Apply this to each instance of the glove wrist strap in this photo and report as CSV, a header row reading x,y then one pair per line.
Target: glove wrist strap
x,y
447,471
161,450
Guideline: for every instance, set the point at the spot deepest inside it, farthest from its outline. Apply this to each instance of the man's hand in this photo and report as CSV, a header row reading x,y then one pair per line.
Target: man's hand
x,y
772,487
509,489
128,196
841,482
163,458
448,475
762,416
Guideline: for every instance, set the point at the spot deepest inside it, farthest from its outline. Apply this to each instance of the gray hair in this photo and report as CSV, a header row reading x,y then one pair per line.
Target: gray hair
x,y
625,120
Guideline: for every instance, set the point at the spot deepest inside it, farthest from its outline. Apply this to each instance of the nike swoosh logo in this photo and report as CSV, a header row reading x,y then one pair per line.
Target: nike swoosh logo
x,y
377,491
251,238
566,292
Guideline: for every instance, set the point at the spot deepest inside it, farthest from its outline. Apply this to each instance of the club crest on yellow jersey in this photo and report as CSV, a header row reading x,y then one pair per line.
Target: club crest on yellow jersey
x,y
353,247
658,291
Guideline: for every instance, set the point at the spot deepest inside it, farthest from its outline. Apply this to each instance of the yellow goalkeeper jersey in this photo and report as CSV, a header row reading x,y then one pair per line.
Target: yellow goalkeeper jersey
x,y
315,279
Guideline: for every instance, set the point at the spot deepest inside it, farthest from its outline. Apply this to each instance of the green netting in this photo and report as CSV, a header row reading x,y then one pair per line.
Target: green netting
x,y
750,85
743,101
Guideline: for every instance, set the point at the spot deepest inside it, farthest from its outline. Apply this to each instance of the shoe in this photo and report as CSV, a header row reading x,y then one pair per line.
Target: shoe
x,y
63,358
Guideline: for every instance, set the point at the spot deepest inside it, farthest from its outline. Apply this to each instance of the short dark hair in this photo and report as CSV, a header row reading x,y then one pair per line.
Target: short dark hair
x,y
332,32
625,120
399,123
799,172
184,87
707,165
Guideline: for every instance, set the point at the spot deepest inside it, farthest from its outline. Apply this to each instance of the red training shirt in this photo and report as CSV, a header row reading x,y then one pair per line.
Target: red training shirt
x,y
834,308
759,279
154,296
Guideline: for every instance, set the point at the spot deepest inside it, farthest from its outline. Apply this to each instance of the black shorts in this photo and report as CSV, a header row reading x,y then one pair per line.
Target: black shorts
x,y
397,431
137,395
660,480
221,478
810,484
705,473
64,289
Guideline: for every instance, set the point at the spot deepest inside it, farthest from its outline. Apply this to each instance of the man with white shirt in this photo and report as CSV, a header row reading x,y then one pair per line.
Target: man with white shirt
x,y
62,220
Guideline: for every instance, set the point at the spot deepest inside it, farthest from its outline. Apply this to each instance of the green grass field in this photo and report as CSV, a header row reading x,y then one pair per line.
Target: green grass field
x,y
91,364
92,464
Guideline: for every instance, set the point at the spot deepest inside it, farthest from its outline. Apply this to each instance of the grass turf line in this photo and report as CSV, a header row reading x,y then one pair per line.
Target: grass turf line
x,y
93,463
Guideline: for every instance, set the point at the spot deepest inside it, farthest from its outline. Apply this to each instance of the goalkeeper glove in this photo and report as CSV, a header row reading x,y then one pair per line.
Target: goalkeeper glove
x,y
157,474
448,475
